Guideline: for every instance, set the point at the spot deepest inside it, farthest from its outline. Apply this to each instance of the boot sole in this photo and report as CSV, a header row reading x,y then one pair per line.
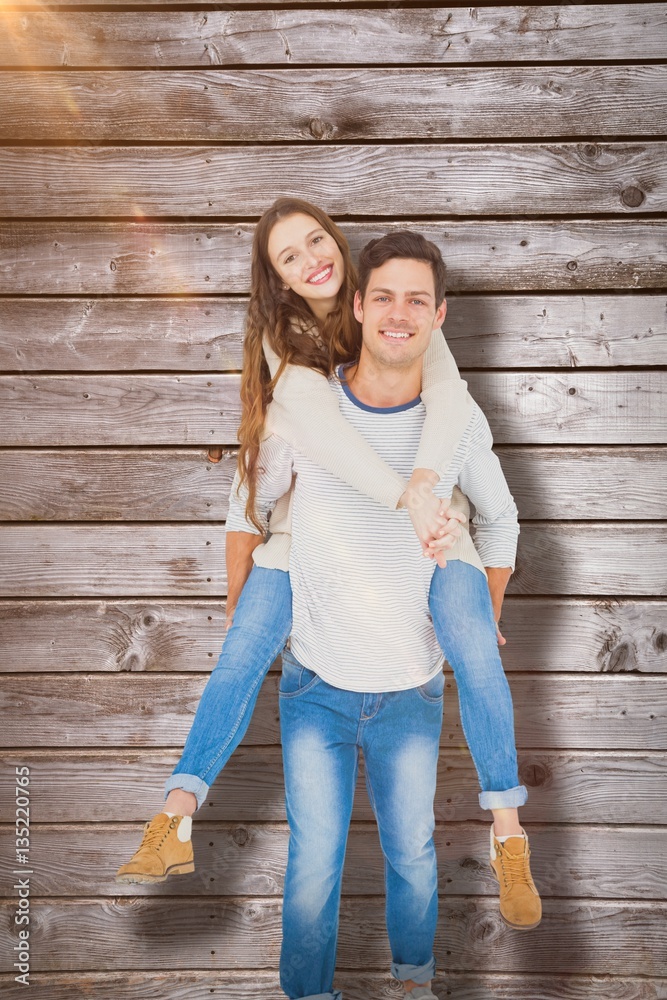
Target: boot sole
x,y
508,923
133,878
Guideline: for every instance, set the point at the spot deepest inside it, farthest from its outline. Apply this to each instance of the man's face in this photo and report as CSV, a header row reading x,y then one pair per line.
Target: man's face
x,y
399,312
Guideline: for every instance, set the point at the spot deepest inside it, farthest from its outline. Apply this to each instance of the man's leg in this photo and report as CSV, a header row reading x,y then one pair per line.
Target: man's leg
x,y
318,731
400,742
462,615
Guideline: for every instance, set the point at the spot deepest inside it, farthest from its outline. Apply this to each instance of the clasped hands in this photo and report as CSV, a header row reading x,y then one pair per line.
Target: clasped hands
x,y
436,523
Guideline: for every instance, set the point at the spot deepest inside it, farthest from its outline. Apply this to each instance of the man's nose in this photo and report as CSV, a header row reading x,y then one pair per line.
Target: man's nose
x,y
398,312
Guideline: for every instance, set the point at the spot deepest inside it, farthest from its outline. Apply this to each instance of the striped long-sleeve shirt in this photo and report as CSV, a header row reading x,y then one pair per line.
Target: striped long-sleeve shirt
x,y
360,583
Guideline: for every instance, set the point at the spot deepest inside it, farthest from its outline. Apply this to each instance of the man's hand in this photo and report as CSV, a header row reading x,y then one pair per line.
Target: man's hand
x,y
498,578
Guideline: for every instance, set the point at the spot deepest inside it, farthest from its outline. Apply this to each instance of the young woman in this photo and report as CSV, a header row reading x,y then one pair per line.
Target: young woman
x,y
300,327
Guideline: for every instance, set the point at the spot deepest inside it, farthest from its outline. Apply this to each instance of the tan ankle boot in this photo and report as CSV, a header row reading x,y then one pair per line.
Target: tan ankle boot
x,y
520,904
166,849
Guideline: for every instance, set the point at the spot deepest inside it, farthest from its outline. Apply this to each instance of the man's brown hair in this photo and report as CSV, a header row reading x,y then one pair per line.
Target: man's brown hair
x,y
403,245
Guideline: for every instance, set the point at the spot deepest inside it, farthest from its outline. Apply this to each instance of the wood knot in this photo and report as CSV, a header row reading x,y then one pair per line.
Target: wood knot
x,y
591,150
534,774
321,130
571,265
240,836
621,659
632,197
131,663
660,642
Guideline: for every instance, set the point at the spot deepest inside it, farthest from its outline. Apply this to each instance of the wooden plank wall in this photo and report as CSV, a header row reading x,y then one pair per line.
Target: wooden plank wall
x,y
139,142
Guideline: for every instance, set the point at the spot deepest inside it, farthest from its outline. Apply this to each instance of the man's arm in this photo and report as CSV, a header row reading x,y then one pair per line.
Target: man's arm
x,y
239,547
496,517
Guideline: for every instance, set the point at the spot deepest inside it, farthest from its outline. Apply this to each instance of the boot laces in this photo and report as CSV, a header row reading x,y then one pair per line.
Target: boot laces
x,y
155,835
515,868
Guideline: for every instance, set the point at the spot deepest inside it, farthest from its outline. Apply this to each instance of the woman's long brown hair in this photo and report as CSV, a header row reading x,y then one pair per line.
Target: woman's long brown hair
x,y
284,319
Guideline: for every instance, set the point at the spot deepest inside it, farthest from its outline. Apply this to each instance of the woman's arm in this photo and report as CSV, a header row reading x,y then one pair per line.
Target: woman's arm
x,y
448,407
305,413
304,404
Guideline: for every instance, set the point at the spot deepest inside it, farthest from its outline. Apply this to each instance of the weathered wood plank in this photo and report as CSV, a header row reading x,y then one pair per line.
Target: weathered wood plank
x,y
260,985
596,936
522,408
543,634
504,331
612,558
152,181
551,711
250,859
180,484
177,334
237,37
590,483
528,987
107,485
127,786
120,635
119,409
183,258
205,333
573,408
185,560
267,105
91,711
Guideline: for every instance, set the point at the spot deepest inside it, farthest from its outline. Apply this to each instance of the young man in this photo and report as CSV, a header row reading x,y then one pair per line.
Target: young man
x,y
364,671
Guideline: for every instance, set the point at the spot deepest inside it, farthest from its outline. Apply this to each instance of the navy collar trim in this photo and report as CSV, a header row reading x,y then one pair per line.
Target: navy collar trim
x,y
372,409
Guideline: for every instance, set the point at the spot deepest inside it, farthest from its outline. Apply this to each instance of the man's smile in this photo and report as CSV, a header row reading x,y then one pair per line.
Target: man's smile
x,y
391,334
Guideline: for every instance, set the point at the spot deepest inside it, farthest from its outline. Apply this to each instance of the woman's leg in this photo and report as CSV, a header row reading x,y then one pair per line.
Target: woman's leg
x,y
261,627
262,624
462,614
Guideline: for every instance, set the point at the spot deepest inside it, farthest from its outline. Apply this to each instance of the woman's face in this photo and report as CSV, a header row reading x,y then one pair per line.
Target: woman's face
x,y
307,259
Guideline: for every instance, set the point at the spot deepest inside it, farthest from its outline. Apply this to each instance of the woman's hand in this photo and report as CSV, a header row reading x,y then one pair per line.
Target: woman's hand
x,y
435,523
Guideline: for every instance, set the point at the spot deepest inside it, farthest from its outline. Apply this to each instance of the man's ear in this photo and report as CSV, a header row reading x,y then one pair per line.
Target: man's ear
x,y
358,308
440,314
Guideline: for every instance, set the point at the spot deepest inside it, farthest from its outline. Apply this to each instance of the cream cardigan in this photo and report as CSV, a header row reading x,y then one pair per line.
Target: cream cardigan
x,y
305,412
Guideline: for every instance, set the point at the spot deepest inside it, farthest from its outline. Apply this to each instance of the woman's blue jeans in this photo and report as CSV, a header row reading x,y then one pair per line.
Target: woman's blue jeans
x,y
462,614
323,728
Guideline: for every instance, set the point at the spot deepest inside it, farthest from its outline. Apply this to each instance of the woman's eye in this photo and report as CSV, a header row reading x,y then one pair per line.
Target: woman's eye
x,y
288,260
318,239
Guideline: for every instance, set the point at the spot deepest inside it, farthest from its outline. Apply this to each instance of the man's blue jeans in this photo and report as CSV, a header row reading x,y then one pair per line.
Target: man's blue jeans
x,y
323,728
462,615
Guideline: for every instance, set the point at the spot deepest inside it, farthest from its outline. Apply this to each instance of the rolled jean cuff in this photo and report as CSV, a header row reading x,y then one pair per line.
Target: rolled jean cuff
x,y
189,783
417,973
511,798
